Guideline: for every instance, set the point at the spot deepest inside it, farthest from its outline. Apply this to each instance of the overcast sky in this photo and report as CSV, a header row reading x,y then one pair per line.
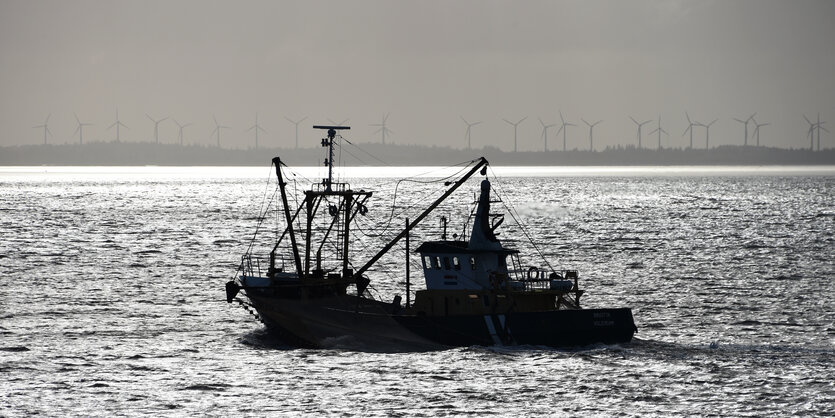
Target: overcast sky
x,y
427,63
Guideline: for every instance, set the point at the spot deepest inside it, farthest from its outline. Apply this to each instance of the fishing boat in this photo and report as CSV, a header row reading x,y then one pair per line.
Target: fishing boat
x,y
476,291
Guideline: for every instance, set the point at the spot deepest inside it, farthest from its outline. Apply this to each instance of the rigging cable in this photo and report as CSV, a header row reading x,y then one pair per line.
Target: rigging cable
x,y
513,214
261,217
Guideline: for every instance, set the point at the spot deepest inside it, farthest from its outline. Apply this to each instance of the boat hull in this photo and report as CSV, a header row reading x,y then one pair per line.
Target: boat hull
x,y
367,325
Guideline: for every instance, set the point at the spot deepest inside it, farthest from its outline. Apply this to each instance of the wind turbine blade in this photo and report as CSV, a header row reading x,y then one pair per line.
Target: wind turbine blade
x,y
688,118
560,130
76,118
509,122
584,121
561,118
540,121
465,120
570,124
686,129
712,122
213,117
475,123
807,120
740,121
752,116
633,120
823,129
47,119
303,119
521,120
149,117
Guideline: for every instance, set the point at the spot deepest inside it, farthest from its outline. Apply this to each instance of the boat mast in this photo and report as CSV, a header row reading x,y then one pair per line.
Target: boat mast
x,y
296,257
482,162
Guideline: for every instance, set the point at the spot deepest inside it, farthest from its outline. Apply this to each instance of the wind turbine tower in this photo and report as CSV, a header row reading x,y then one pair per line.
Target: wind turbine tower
x,y
660,130
180,132
689,128
756,132
640,124
257,128
297,122
545,132
156,126
383,130
745,122
218,129
819,125
80,129
563,130
469,130
117,124
515,125
591,132
45,127
707,132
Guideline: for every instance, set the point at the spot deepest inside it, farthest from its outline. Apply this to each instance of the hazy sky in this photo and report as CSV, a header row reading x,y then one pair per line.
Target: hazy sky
x,y
425,62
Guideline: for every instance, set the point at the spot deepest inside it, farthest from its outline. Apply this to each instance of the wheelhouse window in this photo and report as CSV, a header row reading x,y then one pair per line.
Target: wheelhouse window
x,y
427,262
436,263
472,263
446,263
456,263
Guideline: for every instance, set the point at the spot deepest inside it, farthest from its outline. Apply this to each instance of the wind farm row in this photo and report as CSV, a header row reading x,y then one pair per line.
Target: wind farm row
x,y
749,130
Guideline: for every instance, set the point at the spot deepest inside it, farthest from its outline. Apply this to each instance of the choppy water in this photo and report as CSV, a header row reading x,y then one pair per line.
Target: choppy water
x,y
112,300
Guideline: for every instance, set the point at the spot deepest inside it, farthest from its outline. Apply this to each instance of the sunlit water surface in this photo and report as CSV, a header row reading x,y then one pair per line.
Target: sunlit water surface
x,y
112,300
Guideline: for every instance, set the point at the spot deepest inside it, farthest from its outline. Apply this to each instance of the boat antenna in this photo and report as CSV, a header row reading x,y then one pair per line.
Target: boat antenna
x,y
328,142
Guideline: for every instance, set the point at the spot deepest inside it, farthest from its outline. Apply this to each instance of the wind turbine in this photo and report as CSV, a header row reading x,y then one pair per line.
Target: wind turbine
x,y
297,122
757,130
545,132
180,133
257,128
563,129
819,125
660,130
689,128
80,129
45,127
810,133
333,122
640,124
469,130
745,122
218,128
515,125
117,124
591,132
156,126
383,128
707,132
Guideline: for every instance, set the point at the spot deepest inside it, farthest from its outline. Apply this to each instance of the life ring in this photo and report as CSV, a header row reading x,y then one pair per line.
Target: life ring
x,y
363,209
532,272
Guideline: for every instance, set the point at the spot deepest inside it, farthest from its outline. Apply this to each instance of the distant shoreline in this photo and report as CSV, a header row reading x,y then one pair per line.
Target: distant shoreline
x,y
379,155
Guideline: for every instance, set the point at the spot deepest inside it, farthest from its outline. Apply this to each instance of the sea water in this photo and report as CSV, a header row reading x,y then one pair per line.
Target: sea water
x,y
112,299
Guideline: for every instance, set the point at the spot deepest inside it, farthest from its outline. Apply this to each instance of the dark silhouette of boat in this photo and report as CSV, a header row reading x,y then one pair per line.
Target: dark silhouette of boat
x,y
472,295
